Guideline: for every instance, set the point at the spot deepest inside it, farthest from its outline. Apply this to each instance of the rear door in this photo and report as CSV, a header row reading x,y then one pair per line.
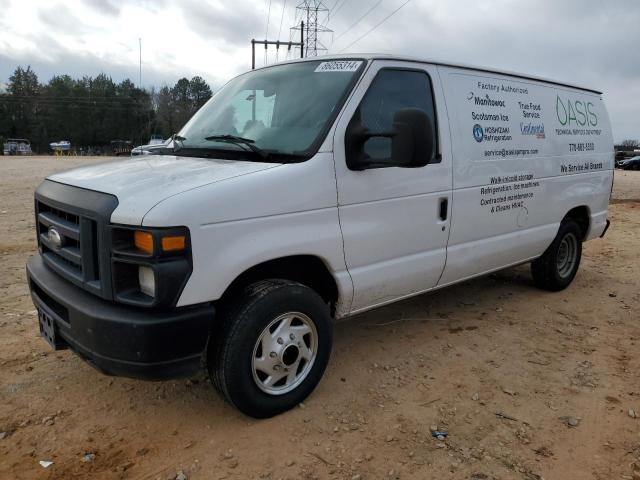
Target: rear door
x,y
394,220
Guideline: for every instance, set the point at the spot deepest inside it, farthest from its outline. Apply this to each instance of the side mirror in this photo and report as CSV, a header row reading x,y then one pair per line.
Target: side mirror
x,y
411,141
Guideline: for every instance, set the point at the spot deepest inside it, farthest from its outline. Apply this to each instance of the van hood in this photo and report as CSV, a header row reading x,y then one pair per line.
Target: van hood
x,y
141,183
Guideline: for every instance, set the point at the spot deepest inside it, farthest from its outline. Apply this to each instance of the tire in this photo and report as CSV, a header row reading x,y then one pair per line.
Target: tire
x,y
291,321
558,265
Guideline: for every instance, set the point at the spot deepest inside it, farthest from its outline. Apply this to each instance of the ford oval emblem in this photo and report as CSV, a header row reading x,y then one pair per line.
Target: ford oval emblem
x,y
54,236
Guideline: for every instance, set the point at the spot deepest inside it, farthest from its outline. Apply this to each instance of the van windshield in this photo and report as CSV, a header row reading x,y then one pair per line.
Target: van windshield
x,y
280,111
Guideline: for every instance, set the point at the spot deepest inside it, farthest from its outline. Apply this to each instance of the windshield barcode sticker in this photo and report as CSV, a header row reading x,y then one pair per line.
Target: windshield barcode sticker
x,y
339,66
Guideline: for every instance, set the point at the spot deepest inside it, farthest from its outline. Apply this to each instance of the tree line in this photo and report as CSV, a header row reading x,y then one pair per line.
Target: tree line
x,y
91,112
629,144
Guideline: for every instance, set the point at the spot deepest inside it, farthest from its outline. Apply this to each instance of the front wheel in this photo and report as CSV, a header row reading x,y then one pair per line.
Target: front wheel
x,y
272,348
558,265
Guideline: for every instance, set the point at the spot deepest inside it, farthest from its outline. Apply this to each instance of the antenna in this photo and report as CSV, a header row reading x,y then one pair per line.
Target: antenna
x,y
140,67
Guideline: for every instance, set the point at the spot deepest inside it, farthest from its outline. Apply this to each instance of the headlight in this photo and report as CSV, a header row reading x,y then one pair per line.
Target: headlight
x,y
149,266
147,281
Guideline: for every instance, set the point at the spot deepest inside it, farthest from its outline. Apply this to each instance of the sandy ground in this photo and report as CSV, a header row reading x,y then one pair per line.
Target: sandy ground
x,y
498,364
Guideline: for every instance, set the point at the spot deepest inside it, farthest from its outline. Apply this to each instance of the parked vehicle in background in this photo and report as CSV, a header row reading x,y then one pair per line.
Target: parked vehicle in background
x,y
149,148
17,146
156,139
120,148
631,164
61,146
620,163
624,155
277,209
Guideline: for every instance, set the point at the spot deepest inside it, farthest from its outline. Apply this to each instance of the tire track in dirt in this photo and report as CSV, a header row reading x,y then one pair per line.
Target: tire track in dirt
x,y
394,373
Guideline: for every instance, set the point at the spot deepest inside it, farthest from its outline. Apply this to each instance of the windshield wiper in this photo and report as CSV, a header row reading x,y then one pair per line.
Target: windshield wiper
x,y
236,140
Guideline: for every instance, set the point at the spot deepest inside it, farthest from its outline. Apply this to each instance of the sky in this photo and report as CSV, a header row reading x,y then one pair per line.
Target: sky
x,y
589,42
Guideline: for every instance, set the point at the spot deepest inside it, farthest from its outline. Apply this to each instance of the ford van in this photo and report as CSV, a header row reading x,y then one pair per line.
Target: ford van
x,y
307,192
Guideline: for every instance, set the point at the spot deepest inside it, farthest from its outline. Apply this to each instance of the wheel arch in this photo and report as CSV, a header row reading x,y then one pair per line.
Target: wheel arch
x,y
582,216
308,270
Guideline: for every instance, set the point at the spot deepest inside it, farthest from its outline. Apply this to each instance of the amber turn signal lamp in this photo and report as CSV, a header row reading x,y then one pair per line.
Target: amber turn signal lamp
x,y
143,241
173,244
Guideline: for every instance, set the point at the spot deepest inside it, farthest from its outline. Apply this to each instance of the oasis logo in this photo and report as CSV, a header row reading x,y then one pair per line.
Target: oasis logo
x,y
478,133
576,111
532,129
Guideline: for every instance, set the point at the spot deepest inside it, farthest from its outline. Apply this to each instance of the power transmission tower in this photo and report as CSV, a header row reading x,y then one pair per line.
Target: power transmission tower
x,y
315,15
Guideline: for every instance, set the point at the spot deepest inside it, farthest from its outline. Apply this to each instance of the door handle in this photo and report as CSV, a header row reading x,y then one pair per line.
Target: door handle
x,y
444,209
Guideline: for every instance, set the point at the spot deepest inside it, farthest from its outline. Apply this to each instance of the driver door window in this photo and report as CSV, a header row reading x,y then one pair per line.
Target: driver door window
x,y
390,91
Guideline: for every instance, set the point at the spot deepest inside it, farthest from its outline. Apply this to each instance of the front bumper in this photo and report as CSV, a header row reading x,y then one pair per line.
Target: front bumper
x,y
117,339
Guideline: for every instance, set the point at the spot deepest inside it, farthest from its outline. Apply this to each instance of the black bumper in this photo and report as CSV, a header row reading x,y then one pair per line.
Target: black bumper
x,y
116,339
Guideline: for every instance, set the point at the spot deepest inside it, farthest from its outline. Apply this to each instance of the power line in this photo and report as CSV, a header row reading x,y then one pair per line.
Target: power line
x,y
71,102
295,21
266,33
284,4
92,97
359,20
292,31
342,3
129,102
376,26
97,109
340,6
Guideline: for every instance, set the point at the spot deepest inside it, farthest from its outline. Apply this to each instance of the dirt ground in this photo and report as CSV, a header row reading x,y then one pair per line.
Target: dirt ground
x,y
501,366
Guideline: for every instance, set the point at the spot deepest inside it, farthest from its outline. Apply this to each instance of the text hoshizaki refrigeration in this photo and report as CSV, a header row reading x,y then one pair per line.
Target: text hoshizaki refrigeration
x,y
278,209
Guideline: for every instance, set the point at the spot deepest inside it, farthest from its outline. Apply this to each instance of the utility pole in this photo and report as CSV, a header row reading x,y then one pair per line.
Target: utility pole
x,y
277,43
316,15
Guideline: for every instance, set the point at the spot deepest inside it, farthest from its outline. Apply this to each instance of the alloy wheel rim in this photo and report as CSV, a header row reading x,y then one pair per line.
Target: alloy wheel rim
x,y
284,353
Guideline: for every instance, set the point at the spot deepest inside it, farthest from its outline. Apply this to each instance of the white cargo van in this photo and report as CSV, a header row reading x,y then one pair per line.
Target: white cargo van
x,y
310,191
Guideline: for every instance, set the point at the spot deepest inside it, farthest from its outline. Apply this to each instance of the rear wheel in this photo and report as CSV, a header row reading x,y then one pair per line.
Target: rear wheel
x,y
558,265
273,347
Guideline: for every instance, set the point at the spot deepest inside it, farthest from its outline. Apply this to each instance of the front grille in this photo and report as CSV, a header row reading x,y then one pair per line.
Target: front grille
x,y
76,257
81,218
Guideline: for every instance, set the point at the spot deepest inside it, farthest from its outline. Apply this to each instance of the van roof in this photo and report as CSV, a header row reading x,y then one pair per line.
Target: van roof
x,y
377,56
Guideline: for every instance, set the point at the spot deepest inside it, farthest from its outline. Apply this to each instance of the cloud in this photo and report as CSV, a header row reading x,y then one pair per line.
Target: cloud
x,y
223,25
588,42
113,7
57,18
104,6
80,66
